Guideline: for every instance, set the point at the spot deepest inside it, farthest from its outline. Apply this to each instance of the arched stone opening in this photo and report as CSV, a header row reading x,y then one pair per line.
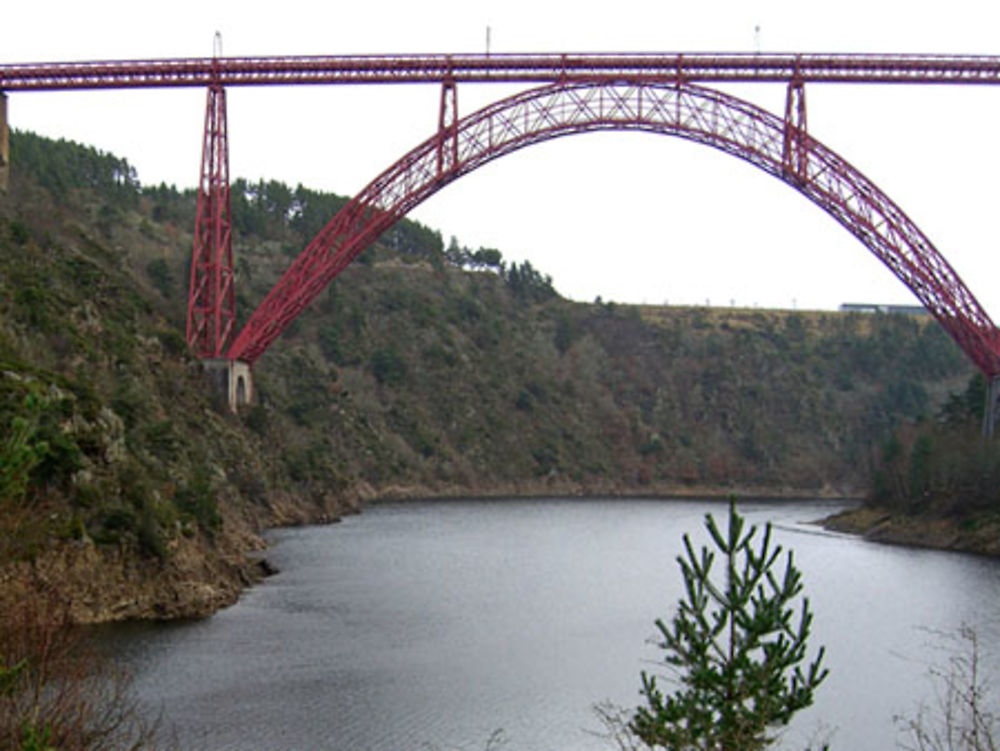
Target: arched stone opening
x,y
241,391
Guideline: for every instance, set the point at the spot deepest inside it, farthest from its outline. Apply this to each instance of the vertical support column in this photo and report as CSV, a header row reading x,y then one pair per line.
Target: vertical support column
x,y
992,407
212,295
4,145
447,135
795,151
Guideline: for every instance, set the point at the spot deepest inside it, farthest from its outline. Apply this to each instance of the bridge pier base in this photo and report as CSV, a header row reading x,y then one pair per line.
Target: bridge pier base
x,y
4,145
992,409
231,378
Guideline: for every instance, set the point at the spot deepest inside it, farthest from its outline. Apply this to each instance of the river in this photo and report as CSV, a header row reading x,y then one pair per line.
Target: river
x,y
433,625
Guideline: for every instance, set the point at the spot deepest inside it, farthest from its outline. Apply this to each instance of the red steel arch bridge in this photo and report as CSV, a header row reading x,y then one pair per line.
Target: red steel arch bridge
x,y
566,94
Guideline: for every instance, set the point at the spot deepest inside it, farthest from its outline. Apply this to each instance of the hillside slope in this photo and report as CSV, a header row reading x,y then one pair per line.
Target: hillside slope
x,y
422,370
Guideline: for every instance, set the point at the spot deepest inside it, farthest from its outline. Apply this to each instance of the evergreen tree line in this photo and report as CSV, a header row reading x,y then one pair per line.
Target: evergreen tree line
x,y
266,210
525,281
271,210
64,165
942,464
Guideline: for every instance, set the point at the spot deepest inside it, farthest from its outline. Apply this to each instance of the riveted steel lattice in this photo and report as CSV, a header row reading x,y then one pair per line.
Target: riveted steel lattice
x,y
657,67
211,316
698,114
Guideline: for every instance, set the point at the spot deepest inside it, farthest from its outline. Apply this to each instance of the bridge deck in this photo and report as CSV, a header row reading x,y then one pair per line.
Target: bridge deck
x,y
503,68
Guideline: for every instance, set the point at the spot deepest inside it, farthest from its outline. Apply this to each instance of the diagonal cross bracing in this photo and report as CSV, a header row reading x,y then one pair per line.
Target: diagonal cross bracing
x,y
698,114
211,314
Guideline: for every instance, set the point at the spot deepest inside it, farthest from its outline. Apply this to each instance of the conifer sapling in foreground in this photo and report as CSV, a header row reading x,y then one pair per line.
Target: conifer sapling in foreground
x,y
735,647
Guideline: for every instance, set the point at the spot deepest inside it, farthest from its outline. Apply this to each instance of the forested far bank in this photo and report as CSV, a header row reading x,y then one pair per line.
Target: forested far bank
x,y
935,481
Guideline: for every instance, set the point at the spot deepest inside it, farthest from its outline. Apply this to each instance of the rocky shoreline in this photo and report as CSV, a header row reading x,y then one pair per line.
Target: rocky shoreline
x,y
979,535
198,577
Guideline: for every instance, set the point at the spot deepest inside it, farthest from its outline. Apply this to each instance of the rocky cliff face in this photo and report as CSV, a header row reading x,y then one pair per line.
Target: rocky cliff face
x,y
108,584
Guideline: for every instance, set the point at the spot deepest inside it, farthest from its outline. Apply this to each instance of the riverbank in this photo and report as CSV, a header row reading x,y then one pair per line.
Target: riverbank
x,y
560,487
445,620
976,534
201,575
195,576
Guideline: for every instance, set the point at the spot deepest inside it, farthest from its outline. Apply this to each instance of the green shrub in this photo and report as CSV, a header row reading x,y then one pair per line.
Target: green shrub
x,y
162,439
388,366
196,499
161,276
113,526
33,302
173,342
256,419
149,535
18,232
329,343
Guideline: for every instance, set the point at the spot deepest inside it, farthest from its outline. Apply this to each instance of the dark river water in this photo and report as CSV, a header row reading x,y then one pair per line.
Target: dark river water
x,y
432,625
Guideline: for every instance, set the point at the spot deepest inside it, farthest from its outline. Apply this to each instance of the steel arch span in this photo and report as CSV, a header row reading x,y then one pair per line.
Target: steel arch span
x,y
780,147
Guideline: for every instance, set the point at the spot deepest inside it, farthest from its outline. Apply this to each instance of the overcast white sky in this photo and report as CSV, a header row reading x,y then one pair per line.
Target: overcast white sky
x,y
630,217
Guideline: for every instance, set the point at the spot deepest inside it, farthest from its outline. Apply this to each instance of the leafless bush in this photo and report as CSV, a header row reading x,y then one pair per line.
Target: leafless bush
x,y
617,731
496,741
56,692
960,717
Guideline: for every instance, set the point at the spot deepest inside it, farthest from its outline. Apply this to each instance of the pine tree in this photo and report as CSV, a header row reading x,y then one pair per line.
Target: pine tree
x,y
734,646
